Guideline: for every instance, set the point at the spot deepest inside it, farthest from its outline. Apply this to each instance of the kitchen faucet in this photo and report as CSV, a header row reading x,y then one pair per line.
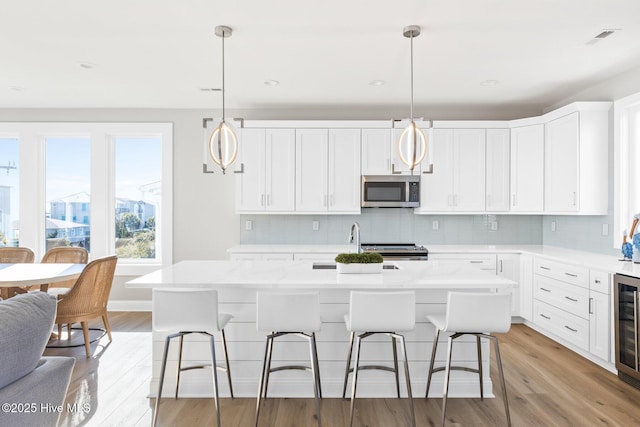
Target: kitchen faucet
x,y
355,226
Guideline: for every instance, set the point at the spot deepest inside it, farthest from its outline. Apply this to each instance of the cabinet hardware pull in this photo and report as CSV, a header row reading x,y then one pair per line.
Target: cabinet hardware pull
x,y
513,198
597,281
571,299
575,200
590,305
570,274
546,317
262,200
571,329
475,262
545,289
268,199
500,266
544,268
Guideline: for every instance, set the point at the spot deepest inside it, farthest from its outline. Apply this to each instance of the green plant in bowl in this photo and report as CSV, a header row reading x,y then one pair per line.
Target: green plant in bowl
x,y
361,258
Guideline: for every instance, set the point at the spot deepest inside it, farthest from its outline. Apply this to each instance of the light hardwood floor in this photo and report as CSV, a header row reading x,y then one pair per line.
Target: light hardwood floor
x,y
547,385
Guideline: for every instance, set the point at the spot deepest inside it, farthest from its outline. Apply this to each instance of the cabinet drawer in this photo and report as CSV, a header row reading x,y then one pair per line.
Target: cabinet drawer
x,y
600,281
578,276
573,299
571,328
480,261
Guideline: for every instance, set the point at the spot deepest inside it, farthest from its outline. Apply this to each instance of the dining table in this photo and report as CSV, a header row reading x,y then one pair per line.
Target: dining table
x,y
24,275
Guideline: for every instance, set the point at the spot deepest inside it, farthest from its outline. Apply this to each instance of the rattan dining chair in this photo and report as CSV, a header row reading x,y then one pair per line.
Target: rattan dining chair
x,y
62,255
14,255
88,298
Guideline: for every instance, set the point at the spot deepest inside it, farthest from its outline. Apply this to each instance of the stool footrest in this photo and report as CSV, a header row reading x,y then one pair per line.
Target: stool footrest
x,y
457,368
287,367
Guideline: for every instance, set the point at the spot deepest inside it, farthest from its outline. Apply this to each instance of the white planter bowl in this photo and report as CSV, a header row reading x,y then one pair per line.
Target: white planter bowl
x,y
355,268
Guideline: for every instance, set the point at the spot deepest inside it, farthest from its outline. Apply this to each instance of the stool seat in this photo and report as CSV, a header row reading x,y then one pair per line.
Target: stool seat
x,y
468,313
289,313
182,312
379,313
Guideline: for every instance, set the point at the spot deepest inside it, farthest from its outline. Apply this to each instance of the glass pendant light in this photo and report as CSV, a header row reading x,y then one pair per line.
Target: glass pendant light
x,y
223,142
412,144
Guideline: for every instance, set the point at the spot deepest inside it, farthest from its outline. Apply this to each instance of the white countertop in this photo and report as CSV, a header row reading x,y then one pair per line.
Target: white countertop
x,y
300,275
607,263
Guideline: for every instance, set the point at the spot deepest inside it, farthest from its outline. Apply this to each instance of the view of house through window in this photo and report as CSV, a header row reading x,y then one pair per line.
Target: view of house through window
x,y
9,192
68,192
138,173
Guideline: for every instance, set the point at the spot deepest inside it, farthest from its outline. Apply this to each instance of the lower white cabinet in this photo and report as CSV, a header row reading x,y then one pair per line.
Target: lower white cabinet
x,y
600,315
480,261
509,267
526,287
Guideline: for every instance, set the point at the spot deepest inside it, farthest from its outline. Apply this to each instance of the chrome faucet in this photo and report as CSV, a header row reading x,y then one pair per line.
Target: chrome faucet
x,y
355,226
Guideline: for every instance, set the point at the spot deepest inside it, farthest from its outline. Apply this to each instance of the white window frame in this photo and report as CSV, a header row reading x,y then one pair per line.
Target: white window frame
x,y
622,166
32,183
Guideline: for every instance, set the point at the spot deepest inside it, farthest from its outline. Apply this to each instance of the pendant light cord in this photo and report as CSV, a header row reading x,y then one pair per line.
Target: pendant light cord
x,y
223,35
411,77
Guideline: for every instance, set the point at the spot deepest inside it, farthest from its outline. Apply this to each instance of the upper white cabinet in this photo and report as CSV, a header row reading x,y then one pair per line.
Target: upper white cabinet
x,y
376,151
527,168
267,184
497,170
576,165
328,170
458,179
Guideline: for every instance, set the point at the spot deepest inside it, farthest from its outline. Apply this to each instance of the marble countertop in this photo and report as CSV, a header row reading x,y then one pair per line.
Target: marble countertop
x,y
300,275
607,263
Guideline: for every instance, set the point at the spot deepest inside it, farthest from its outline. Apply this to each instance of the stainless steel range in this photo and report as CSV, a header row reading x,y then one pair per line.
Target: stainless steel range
x,y
398,251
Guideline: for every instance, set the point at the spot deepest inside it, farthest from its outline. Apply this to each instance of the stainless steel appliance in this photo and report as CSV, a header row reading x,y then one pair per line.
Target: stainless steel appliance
x,y
398,251
390,191
627,326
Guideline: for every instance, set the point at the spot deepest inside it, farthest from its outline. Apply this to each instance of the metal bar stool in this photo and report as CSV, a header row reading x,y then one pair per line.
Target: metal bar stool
x,y
284,314
379,313
468,314
190,311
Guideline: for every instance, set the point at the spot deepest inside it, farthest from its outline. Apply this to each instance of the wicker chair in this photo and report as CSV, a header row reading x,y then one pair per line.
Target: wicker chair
x,y
88,298
11,255
64,254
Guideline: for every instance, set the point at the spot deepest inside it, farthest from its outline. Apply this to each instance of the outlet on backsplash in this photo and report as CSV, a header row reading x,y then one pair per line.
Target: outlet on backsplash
x,y
315,225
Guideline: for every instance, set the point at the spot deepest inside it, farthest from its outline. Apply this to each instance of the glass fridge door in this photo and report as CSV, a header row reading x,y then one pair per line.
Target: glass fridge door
x,y
628,325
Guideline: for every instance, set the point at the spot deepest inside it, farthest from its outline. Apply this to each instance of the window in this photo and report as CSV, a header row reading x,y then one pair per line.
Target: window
x,y
627,159
81,180
9,192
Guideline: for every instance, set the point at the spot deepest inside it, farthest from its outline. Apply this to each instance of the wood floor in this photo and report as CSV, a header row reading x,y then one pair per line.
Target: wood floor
x,y
547,385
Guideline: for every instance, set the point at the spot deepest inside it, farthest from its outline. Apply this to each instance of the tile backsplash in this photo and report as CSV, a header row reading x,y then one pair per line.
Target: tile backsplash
x,y
393,226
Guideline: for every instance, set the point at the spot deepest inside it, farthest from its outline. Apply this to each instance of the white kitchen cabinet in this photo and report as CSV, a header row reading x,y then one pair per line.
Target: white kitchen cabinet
x,y
527,168
526,287
376,152
600,314
458,179
481,261
267,183
576,169
509,267
497,170
328,170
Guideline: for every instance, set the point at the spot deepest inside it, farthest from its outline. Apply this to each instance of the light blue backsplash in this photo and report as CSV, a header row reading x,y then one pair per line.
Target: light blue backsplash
x,y
582,233
393,226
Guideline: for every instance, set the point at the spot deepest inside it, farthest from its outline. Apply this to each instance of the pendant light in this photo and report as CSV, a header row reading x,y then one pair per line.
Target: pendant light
x,y
412,144
223,142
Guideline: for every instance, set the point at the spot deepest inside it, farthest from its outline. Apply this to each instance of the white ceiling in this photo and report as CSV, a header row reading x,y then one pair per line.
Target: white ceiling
x,y
160,53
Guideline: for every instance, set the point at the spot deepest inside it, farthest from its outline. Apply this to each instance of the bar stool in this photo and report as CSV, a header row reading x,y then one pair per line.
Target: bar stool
x,y
468,314
284,314
190,311
379,313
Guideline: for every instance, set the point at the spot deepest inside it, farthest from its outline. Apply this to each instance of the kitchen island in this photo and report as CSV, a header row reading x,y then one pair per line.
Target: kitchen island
x,y
237,283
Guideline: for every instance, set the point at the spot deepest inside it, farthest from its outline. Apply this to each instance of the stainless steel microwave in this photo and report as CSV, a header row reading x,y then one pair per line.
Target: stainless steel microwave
x,y
390,191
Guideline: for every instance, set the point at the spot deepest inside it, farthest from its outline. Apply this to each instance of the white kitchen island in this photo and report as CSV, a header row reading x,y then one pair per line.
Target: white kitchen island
x,y
237,283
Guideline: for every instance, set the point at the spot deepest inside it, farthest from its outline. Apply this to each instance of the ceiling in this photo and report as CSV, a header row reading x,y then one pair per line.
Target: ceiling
x,y
161,53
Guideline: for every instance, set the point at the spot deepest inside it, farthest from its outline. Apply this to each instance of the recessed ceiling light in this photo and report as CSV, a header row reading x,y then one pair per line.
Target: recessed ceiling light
x,y
376,83
210,89
17,88
87,65
489,83
271,83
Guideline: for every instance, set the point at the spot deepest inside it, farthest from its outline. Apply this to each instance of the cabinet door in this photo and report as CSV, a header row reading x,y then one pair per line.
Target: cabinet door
x,y
376,149
436,189
468,169
509,267
527,166
280,170
561,164
599,328
497,170
344,170
526,287
250,185
311,170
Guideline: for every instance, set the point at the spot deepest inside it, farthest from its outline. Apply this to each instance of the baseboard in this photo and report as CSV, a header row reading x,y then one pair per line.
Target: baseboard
x,y
129,305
